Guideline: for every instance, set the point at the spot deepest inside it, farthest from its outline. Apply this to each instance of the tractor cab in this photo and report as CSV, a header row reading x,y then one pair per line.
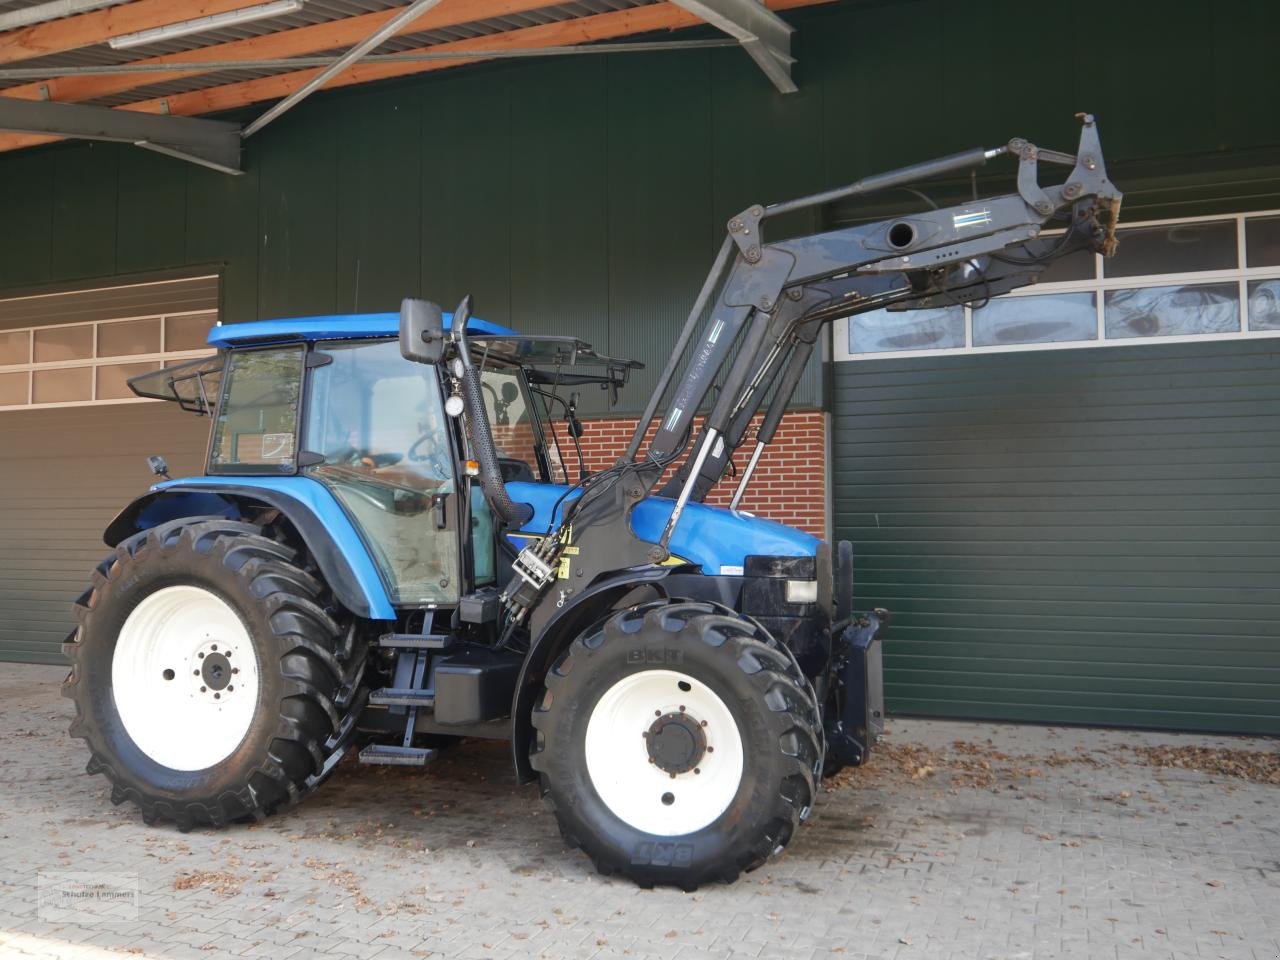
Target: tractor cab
x,y
332,402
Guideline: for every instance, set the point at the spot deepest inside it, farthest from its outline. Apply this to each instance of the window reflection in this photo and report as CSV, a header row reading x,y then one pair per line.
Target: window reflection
x,y
1264,305
1262,242
1077,265
1044,318
1174,248
1173,311
939,328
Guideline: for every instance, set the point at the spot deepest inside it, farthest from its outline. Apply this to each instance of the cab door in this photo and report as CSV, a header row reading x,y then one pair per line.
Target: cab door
x,y
376,435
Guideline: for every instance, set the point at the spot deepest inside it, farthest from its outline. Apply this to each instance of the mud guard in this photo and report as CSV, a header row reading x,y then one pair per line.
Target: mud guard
x,y
589,606
331,539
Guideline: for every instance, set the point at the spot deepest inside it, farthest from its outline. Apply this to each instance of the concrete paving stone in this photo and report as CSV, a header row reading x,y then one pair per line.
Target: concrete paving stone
x,y
960,871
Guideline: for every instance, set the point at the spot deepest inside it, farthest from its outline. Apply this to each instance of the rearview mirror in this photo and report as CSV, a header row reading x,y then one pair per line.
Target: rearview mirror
x,y
421,331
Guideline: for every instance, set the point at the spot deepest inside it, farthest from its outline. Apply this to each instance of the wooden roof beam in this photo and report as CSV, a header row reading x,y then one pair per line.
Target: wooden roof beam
x,y
604,26
332,35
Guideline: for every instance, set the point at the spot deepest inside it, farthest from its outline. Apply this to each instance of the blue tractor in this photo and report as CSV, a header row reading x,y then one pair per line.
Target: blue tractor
x,y
389,549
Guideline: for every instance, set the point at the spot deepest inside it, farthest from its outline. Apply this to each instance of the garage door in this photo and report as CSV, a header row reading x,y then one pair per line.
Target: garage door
x,y
74,445
1076,535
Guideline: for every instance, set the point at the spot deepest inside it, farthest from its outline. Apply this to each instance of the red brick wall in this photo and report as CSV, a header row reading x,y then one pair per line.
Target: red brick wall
x,y
789,484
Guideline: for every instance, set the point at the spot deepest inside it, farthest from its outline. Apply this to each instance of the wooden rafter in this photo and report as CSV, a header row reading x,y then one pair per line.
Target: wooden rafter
x,y
604,26
87,29
333,35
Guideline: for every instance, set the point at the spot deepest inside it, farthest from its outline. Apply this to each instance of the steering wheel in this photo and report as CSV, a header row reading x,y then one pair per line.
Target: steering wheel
x,y
440,464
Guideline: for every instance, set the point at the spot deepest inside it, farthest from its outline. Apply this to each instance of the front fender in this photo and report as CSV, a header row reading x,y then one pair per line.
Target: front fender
x,y
328,533
587,608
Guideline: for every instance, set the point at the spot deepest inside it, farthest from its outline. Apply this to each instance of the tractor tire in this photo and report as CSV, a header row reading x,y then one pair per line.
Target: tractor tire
x,y
209,682
678,744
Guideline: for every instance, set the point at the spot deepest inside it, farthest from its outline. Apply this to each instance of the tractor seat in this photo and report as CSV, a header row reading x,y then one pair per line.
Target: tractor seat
x,y
515,471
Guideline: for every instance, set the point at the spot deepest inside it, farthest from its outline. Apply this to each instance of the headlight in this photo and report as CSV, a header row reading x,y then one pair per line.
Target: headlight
x,y
802,591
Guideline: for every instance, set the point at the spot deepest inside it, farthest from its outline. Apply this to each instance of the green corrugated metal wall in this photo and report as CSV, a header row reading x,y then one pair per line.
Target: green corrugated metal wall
x,y
1072,536
588,194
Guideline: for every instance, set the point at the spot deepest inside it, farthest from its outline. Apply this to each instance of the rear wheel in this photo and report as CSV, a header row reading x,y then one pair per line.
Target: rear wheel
x,y
210,683
677,743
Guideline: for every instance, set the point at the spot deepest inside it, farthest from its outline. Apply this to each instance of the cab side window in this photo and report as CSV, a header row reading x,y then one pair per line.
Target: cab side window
x,y
255,428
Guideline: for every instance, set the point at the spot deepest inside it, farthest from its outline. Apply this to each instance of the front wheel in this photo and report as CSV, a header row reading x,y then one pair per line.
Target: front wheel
x,y
677,743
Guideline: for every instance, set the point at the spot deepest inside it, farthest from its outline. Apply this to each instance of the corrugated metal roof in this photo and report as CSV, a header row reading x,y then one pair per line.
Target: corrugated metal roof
x,y
315,11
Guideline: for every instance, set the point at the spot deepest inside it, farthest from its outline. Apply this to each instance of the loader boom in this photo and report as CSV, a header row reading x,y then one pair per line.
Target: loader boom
x,y
768,301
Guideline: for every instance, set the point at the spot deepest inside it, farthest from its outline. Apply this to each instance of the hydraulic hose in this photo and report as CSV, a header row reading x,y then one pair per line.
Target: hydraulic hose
x,y
495,491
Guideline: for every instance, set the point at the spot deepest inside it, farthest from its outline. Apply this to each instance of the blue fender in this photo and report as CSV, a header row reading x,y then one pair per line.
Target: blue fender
x,y
324,527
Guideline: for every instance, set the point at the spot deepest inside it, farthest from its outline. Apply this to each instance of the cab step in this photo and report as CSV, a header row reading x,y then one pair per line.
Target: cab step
x,y
415,641
397,756
406,697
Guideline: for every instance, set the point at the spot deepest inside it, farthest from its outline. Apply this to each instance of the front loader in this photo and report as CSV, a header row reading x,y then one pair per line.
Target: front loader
x,y
389,551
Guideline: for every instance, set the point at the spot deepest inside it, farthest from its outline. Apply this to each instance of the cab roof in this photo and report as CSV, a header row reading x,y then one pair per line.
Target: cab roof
x,y
495,340
339,326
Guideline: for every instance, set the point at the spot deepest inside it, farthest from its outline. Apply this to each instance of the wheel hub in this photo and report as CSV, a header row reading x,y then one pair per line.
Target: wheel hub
x,y
215,671
185,677
676,742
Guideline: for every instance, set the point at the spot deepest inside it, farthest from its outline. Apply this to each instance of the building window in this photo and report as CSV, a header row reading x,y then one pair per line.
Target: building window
x,y
1201,278
79,363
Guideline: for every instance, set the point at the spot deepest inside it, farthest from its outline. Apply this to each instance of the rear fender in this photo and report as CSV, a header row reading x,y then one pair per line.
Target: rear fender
x,y
330,537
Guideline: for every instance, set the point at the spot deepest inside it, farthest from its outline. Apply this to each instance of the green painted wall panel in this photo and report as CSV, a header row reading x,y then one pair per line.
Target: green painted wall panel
x,y
558,223
587,195
26,197
151,226
222,229
661,204
85,204
298,216
378,232
466,187
1077,535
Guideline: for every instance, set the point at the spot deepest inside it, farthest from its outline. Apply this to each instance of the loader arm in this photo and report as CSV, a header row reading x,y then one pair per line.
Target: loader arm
x,y
768,302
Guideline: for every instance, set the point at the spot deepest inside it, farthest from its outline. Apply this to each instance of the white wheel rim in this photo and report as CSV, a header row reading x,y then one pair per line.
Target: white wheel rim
x,y
185,678
638,791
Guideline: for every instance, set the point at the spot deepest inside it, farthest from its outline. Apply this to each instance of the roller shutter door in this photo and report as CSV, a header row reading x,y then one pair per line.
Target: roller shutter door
x,y
1086,536
66,470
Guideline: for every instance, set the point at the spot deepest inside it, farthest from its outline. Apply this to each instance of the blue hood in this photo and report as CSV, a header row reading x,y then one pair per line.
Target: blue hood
x,y
716,538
